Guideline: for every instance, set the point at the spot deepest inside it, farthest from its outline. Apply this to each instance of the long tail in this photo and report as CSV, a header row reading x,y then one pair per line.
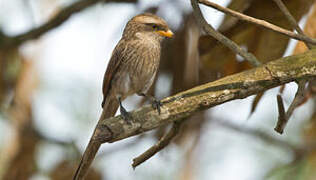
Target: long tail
x,y
109,109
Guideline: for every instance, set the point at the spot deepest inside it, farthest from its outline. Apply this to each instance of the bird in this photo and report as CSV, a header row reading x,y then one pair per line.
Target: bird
x,y
131,70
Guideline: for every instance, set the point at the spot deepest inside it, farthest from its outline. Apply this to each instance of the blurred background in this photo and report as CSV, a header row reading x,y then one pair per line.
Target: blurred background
x,y
50,94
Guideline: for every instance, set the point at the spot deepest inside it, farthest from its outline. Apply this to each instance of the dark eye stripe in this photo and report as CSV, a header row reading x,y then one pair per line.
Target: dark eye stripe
x,y
150,24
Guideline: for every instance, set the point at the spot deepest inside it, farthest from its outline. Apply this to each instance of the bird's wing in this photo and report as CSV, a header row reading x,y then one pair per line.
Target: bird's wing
x,y
112,68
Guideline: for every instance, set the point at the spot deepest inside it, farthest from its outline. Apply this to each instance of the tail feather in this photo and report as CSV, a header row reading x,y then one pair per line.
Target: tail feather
x,y
109,109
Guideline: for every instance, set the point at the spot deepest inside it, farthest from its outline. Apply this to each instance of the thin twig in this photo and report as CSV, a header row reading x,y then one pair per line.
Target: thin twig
x,y
291,19
162,143
299,97
220,37
229,21
60,18
259,22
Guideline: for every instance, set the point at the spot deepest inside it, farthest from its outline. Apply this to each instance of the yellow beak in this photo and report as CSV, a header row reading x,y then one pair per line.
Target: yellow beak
x,y
168,33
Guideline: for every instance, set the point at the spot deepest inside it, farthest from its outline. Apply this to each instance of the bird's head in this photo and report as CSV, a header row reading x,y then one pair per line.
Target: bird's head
x,y
147,25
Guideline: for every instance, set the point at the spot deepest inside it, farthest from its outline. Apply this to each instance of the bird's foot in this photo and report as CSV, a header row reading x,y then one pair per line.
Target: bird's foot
x,y
126,115
156,104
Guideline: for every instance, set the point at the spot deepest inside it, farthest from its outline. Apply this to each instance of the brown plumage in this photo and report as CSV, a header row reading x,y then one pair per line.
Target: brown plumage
x,y
131,70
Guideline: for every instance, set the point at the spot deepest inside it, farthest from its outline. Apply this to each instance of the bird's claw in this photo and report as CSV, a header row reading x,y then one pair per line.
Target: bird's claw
x,y
126,115
156,104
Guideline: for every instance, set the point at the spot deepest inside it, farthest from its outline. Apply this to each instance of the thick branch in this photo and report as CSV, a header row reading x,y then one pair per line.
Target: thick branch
x,y
61,17
185,104
259,22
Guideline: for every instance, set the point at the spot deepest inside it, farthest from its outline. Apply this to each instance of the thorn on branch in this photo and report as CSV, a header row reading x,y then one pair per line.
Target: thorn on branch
x,y
255,103
284,117
282,88
282,120
162,143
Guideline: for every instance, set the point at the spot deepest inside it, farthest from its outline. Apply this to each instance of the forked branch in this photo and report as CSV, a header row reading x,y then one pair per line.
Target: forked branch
x,y
259,22
299,96
220,37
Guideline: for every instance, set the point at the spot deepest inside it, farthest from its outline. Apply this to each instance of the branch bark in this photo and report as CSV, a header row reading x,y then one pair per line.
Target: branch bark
x,y
185,104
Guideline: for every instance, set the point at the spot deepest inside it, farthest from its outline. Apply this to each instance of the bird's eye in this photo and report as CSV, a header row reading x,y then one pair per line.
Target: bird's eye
x,y
155,27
